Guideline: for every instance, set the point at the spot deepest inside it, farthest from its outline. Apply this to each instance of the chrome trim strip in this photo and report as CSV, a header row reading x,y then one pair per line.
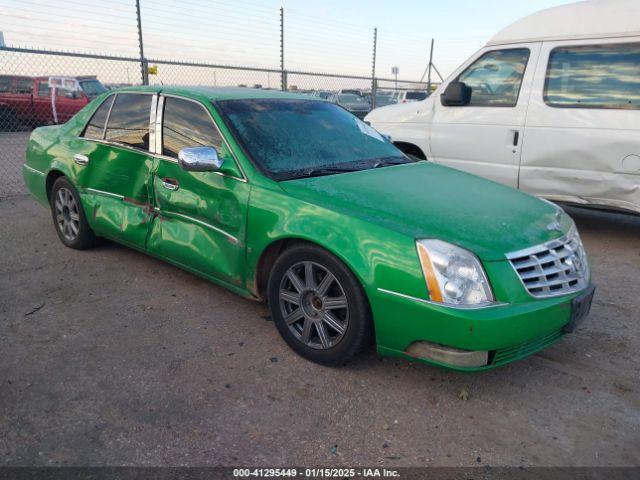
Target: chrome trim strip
x,y
152,123
157,148
195,220
444,305
33,169
556,242
106,120
106,194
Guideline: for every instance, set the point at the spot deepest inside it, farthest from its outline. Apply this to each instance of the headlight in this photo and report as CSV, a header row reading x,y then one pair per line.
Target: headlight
x,y
454,275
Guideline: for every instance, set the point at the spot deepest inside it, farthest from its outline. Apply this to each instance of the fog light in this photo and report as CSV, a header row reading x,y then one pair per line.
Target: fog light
x,y
448,355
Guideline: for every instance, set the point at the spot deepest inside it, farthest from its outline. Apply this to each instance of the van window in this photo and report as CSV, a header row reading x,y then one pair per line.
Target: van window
x,y
597,76
495,78
95,127
129,120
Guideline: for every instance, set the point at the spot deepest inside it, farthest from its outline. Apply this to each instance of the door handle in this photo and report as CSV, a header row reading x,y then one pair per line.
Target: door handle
x,y
80,159
516,137
170,184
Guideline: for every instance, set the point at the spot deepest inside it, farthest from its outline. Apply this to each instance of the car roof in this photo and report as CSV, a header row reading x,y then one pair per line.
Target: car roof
x,y
216,93
597,19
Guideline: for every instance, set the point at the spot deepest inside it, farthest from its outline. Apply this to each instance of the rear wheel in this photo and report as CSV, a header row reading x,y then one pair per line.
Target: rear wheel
x,y
68,216
318,305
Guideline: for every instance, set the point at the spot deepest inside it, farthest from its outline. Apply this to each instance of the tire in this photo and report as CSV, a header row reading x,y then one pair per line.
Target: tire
x,y
68,216
310,315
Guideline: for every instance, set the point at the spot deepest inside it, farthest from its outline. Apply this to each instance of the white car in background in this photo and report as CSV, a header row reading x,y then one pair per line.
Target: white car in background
x,y
406,96
551,105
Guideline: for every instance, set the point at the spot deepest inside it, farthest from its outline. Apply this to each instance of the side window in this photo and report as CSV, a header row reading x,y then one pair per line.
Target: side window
x,y
595,76
495,78
186,124
43,89
129,120
6,84
24,85
95,127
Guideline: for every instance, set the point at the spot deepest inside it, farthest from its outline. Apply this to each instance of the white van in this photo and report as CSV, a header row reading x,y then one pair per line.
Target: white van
x,y
551,105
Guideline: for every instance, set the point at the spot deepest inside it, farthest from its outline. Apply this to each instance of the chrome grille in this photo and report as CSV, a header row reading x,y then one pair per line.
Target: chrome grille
x,y
554,268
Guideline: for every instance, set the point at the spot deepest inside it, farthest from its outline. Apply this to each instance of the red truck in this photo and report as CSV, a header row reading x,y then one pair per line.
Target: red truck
x,y
33,101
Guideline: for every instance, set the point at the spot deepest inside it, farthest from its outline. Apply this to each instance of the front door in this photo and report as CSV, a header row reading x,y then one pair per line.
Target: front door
x,y
114,167
484,137
200,216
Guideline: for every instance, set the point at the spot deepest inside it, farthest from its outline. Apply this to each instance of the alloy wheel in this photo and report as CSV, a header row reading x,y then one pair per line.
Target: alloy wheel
x,y
313,305
67,214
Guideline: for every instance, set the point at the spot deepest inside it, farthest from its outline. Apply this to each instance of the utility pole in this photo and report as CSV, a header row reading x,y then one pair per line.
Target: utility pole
x,y
143,63
283,74
373,69
429,69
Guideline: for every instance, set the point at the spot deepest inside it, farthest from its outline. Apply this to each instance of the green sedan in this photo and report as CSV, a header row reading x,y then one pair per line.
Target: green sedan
x,y
297,202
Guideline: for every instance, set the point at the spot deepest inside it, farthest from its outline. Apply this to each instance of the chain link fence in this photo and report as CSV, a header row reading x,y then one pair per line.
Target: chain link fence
x,y
40,87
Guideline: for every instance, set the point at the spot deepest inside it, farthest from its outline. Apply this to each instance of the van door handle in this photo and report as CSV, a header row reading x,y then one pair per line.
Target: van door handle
x,y
80,159
170,184
516,137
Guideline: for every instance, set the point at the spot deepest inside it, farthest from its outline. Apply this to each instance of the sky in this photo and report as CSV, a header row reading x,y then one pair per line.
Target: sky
x,y
329,36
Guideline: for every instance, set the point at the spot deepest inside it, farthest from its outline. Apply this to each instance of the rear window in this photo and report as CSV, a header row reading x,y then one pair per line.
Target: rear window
x,y
129,120
594,76
416,95
95,127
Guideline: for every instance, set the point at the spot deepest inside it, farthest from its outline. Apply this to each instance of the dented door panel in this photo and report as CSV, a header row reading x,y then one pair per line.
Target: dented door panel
x,y
115,190
201,224
580,155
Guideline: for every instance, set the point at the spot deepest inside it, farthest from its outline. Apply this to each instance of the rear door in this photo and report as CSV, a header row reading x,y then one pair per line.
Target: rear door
x,y
200,218
114,166
582,138
485,136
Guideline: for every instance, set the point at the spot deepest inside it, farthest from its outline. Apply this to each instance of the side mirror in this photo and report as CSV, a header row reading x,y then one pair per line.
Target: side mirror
x,y
456,94
199,159
72,94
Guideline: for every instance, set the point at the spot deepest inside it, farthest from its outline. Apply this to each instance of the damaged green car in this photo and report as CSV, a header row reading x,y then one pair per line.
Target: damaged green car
x,y
295,201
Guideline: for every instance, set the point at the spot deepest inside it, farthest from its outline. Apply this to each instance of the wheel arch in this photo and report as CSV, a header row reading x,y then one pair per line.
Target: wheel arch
x,y
411,149
52,176
273,250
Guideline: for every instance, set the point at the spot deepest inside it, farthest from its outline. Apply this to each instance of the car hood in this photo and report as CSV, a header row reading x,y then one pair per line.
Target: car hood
x,y
425,200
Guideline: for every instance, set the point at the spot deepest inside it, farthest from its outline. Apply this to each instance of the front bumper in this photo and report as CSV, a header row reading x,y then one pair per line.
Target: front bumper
x,y
406,326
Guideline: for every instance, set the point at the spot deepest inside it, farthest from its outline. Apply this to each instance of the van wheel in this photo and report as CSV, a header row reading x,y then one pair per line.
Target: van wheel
x,y
318,305
68,216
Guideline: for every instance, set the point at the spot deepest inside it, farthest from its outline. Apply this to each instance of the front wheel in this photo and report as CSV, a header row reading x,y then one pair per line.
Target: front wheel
x,y
318,305
68,216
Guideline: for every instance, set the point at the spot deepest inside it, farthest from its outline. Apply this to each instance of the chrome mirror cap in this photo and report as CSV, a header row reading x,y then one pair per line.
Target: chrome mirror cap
x,y
199,159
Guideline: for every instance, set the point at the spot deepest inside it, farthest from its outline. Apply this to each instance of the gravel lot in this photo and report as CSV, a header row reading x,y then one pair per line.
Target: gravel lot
x,y
109,357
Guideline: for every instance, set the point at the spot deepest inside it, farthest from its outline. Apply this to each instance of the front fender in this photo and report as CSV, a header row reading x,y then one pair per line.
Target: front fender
x,y
378,257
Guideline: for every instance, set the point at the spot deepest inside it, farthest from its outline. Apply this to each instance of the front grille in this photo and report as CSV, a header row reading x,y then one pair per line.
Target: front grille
x,y
554,268
509,354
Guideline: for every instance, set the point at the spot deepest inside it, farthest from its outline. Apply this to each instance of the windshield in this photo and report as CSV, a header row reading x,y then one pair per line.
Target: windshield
x,y
349,98
416,95
295,138
92,88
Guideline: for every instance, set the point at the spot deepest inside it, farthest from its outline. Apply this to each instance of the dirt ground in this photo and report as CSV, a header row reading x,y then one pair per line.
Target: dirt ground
x,y
109,357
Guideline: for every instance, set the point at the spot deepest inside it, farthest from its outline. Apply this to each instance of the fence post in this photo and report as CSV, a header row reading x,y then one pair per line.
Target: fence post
x,y
429,72
283,74
144,71
373,69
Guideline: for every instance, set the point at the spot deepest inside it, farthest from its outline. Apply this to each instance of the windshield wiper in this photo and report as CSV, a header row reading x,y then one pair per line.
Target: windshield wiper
x,y
388,162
